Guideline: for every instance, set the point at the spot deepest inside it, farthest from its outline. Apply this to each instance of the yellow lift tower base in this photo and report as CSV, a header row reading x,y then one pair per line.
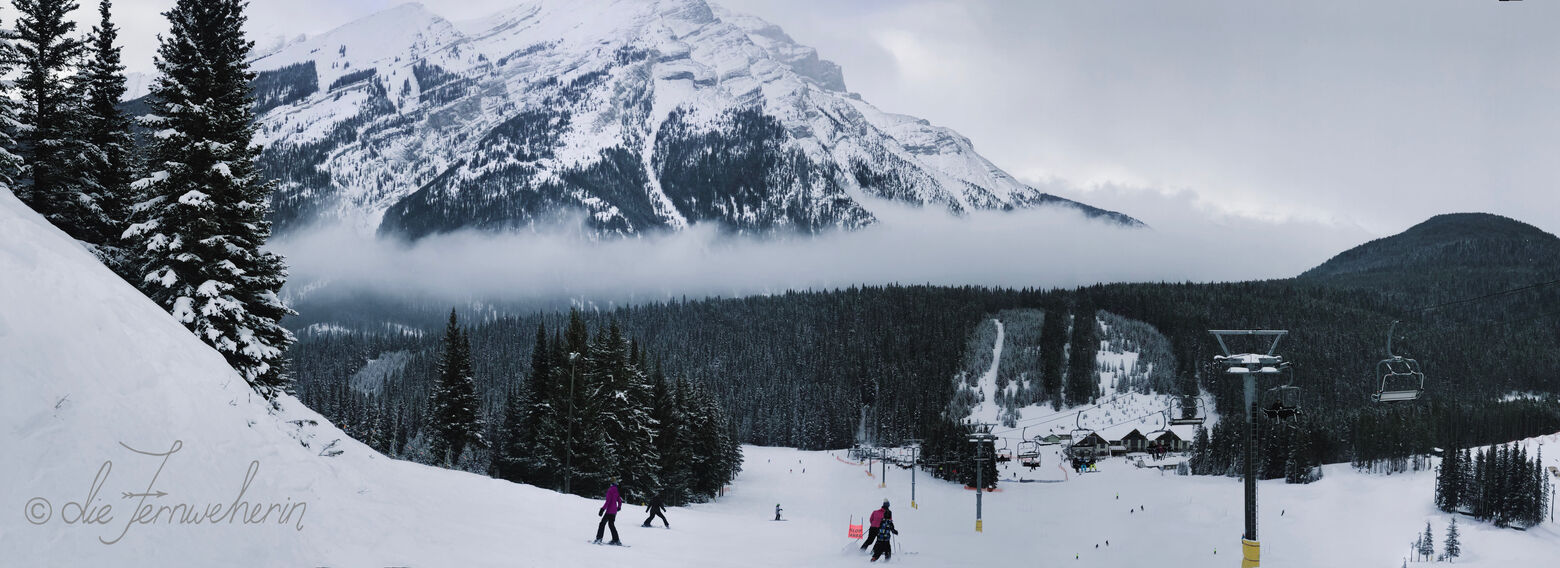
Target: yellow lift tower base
x,y
1251,551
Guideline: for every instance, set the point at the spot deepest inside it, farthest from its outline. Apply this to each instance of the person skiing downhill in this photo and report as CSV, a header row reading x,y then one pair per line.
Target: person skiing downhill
x,y
777,511
884,535
656,509
608,514
877,520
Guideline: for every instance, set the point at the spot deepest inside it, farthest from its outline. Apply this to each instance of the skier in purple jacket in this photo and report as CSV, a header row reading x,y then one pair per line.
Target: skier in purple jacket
x,y
608,513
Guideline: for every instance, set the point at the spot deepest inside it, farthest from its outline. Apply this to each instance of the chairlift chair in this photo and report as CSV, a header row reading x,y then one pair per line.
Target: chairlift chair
x,y
1401,379
1199,413
1028,451
1282,402
1004,455
1078,434
1029,454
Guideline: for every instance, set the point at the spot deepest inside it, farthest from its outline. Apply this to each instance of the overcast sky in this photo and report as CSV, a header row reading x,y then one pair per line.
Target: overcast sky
x,y
1361,115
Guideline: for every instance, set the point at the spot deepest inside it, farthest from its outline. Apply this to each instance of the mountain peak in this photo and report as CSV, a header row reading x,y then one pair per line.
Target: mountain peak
x,y
639,115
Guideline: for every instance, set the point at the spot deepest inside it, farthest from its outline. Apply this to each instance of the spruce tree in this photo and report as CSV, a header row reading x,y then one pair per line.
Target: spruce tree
x,y
457,425
49,140
535,453
1448,482
109,149
624,412
10,162
199,243
1427,543
511,446
1453,546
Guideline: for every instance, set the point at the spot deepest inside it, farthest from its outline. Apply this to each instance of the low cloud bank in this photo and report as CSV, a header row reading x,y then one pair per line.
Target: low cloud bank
x,y
1050,247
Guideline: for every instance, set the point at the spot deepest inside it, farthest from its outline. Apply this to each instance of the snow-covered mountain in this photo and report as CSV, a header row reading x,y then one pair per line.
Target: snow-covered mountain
x,y
642,114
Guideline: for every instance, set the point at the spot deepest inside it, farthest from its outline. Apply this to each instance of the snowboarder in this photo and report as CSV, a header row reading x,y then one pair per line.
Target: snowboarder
x,y
656,509
883,547
877,520
608,514
777,511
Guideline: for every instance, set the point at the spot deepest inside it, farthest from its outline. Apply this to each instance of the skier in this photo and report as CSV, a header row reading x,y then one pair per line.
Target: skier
x,y
608,514
877,520
777,511
884,532
656,509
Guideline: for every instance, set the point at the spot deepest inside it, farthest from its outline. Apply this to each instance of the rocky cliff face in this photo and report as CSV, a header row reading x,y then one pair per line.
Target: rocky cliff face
x,y
640,115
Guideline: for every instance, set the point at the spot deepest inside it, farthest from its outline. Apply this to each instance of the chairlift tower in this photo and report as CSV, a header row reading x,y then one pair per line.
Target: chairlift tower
x,y
980,435
1250,366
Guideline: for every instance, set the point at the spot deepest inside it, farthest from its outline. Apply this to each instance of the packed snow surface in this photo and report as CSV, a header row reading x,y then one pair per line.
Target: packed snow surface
x,y
90,369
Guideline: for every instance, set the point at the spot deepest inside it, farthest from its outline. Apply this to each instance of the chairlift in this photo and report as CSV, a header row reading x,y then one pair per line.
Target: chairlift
x,y
1282,402
1192,415
1004,455
1401,379
1078,435
1028,451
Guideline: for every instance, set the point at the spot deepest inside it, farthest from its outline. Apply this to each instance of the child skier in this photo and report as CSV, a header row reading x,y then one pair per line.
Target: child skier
x,y
608,513
883,547
656,509
877,520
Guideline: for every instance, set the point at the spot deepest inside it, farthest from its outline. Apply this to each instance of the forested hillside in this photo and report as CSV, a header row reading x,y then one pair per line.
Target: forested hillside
x,y
822,369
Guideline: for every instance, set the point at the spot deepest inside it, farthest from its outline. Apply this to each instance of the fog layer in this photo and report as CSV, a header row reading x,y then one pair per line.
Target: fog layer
x,y
1050,247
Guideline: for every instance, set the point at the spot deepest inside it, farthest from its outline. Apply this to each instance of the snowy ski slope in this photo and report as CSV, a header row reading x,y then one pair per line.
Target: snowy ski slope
x,y
89,368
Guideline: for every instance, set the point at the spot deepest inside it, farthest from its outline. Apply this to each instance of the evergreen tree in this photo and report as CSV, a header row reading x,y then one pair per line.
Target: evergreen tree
x,y
670,440
200,238
10,162
106,132
1083,384
541,435
509,457
1453,546
1448,482
50,135
1427,543
457,425
623,412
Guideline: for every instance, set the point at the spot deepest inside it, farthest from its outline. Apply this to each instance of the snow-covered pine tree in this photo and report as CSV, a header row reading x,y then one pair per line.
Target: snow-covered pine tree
x,y
1426,543
509,449
524,456
591,456
109,151
670,439
1541,489
1448,482
49,137
715,456
10,162
200,240
546,411
455,417
620,401
1452,544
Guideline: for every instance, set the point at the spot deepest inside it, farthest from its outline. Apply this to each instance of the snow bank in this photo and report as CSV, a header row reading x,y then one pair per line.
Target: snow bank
x,y
91,373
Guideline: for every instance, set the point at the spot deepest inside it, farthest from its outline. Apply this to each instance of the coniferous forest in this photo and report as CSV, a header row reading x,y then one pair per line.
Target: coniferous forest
x,y
1501,484
829,369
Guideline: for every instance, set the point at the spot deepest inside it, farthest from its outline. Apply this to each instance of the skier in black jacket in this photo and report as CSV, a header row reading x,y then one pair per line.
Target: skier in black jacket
x,y
656,509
